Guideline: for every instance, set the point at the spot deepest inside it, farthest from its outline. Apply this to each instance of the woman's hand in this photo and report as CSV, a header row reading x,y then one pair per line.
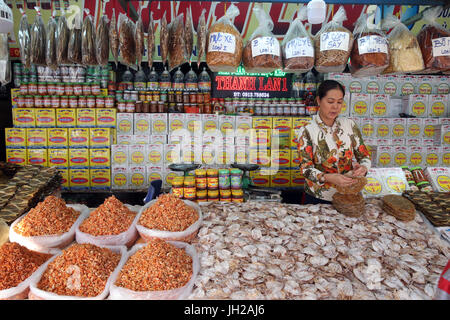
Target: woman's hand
x,y
339,179
359,170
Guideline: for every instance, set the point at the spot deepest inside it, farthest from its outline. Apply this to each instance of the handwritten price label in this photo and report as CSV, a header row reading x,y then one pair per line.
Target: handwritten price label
x,y
372,44
299,47
265,45
222,42
334,41
441,47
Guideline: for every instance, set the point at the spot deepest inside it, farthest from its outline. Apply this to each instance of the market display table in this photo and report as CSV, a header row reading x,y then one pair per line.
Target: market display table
x,y
267,250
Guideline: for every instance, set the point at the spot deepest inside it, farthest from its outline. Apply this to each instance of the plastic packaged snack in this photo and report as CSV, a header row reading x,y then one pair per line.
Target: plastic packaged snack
x,y
333,45
114,38
177,43
74,50
88,50
434,42
405,54
150,41
102,38
62,43
370,52
127,41
38,40
24,38
50,52
164,39
188,33
224,43
5,62
297,46
140,41
262,52
201,37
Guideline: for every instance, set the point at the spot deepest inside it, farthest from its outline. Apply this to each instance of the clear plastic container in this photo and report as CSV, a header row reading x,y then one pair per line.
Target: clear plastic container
x,y
317,10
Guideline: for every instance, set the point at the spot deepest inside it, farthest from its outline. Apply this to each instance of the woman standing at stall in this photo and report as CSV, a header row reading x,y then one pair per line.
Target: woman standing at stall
x,y
327,145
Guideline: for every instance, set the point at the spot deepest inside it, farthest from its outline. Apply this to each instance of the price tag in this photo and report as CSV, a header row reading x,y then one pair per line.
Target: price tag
x,y
334,41
441,47
222,42
265,45
299,47
372,44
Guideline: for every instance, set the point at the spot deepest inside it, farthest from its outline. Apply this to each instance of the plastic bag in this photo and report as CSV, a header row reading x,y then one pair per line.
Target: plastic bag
x,y
434,43
201,37
297,46
38,40
186,235
370,53
45,243
127,42
405,54
164,39
38,294
5,62
24,38
120,293
126,238
50,52
177,43
224,43
74,49
62,42
114,38
140,39
150,41
333,45
102,38
262,52
88,44
189,34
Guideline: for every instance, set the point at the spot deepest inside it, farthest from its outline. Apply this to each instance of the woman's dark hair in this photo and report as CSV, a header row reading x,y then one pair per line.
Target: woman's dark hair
x,y
328,85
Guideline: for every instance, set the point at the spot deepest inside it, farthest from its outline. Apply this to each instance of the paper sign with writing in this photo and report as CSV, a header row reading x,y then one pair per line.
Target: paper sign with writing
x,y
265,45
334,41
372,44
222,42
441,47
299,47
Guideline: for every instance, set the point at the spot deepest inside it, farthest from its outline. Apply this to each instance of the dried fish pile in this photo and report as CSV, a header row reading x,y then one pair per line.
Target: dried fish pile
x,y
258,250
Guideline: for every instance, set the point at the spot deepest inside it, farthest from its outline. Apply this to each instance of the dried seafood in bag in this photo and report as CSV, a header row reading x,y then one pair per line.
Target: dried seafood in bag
x,y
201,37
114,38
5,61
24,38
74,50
38,40
164,39
150,41
297,46
50,52
102,38
333,44
127,43
224,43
140,40
189,34
177,43
62,43
88,49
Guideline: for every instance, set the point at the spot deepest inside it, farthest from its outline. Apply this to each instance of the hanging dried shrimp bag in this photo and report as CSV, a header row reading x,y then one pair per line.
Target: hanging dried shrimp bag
x,y
201,37
62,42
127,42
114,38
224,43
102,38
88,48
150,41
24,38
262,53
74,50
189,34
38,40
164,39
177,43
140,40
50,52
333,44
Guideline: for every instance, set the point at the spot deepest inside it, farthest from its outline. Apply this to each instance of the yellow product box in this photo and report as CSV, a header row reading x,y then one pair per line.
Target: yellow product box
x,y
100,137
210,122
16,137
280,158
194,122
172,153
280,140
138,177
15,93
120,177
36,137
100,179
429,125
261,177
124,139
64,178
136,154
225,156
24,117
79,137
66,118
432,156
260,157
282,125
86,117
241,154
45,117
367,127
295,160
209,154
16,156
37,156
177,121
415,105
154,173
297,178
398,127
105,117
79,179
379,105
79,158
280,178
399,155
445,157
142,123
260,138
299,122
262,123
227,124
360,104
293,139
58,137
125,123
159,123
243,124
119,155
155,154
438,105
58,157
99,157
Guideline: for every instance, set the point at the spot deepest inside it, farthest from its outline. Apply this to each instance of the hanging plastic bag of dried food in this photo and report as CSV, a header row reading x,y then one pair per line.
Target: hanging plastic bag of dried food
x,y
434,42
5,63
62,42
370,52
164,39
102,38
127,42
38,40
150,41
88,50
297,46
177,43
189,34
405,54
140,39
333,45
201,37
114,38
50,52
24,38
74,50
224,43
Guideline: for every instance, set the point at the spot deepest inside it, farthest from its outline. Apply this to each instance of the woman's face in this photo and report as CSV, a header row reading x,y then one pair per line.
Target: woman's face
x,y
330,106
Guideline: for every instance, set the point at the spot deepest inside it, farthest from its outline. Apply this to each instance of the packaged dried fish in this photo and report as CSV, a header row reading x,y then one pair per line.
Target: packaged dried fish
x,y
63,37
201,37
177,43
114,38
5,62
164,39
140,39
38,40
127,42
150,41
102,38
24,38
88,50
74,50
188,33
50,53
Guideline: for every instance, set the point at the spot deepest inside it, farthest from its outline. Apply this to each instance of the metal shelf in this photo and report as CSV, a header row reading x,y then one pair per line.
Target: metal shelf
x,y
366,2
